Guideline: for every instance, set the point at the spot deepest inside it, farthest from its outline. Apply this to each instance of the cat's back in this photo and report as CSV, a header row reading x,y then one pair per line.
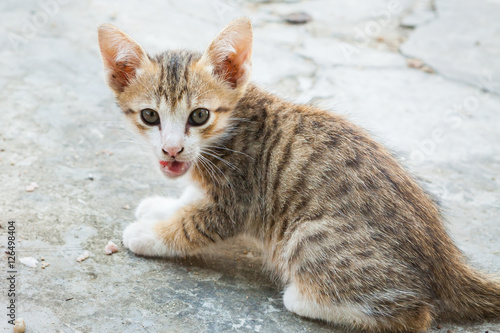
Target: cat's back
x,y
311,163
305,151
358,177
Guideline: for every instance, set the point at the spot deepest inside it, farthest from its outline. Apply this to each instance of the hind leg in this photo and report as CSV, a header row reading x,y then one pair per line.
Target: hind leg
x,y
348,314
351,281
415,318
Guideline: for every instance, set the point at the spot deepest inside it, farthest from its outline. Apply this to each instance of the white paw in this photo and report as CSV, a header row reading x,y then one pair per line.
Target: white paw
x,y
335,312
141,238
156,208
292,300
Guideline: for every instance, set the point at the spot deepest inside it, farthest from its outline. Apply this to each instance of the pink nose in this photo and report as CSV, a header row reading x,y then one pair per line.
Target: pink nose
x,y
172,151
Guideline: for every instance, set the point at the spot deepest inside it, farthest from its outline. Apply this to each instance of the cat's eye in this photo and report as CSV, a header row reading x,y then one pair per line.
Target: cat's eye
x,y
150,117
198,117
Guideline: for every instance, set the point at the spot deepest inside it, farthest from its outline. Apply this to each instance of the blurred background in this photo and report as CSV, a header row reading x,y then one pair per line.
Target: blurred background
x,y
423,76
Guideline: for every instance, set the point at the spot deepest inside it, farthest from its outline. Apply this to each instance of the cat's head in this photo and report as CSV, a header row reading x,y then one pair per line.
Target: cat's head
x,y
179,101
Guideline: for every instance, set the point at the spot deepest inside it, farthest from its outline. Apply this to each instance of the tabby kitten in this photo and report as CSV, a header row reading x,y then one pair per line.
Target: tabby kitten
x,y
351,236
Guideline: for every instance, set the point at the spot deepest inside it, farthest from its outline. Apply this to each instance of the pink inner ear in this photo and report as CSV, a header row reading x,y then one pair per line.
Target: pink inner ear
x,y
122,71
228,70
232,68
121,57
230,52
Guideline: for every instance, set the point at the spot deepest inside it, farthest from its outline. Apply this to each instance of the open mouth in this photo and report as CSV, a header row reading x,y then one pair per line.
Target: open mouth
x,y
174,168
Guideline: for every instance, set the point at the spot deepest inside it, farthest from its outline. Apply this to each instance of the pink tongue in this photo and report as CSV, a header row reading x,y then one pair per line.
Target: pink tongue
x,y
175,166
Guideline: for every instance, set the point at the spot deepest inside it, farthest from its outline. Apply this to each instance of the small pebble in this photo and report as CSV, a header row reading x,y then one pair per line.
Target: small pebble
x,y
298,18
29,261
31,187
19,325
419,64
427,69
107,152
127,207
45,264
42,258
439,327
110,248
90,177
414,63
83,256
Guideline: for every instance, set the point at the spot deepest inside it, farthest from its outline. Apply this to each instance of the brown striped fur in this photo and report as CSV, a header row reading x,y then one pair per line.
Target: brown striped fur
x,y
349,233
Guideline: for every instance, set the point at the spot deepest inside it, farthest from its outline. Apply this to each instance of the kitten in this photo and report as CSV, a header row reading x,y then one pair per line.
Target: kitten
x,y
348,232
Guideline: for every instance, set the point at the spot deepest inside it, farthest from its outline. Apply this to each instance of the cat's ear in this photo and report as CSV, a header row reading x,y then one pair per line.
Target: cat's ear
x,y
230,53
121,56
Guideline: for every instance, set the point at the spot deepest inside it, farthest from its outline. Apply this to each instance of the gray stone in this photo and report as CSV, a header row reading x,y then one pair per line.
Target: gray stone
x,y
462,42
298,18
421,12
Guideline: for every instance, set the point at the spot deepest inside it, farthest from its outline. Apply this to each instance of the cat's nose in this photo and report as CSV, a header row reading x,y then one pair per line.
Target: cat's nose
x,y
172,151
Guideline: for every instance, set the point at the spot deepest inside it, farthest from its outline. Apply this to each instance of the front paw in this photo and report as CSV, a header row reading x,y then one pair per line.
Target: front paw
x,y
142,238
156,208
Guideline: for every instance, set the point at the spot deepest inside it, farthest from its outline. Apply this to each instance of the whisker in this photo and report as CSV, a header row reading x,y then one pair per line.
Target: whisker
x,y
199,164
212,153
212,174
231,150
220,171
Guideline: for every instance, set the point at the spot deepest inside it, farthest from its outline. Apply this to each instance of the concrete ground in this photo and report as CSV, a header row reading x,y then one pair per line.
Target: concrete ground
x,y
422,75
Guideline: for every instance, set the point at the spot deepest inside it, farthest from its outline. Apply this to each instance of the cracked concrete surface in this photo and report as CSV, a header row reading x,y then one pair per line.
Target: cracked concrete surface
x,y
59,128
